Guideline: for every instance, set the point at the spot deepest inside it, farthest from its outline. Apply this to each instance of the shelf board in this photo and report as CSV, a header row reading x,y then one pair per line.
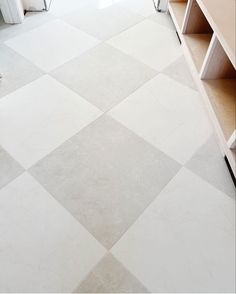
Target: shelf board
x,y
222,96
178,9
198,45
221,16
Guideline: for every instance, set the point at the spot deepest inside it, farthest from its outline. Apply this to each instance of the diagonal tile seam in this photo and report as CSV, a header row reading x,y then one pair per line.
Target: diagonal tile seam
x,y
66,210
109,251
186,165
103,112
10,27
61,18
164,187
118,50
142,18
149,205
54,20
21,56
154,195
137,59
148,17
94,267
114,48
22,168
136,135
107,40
94,47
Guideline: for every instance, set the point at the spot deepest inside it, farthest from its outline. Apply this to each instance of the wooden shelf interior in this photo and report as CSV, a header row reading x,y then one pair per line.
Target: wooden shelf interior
x,y
179,9
198,45
217,64
197,33
222,95
195,21
221,16
208,39
219,77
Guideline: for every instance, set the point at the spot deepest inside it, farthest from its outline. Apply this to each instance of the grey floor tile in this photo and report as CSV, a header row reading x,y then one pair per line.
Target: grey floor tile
x,y
104,76
103,23
105,176
179,71
208,162
109,276
9,168
16,70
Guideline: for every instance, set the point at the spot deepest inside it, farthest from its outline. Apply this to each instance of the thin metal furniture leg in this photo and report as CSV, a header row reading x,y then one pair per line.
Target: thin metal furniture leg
x,y
46,6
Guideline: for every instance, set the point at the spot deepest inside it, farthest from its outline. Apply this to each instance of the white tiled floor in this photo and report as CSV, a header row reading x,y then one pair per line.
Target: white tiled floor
x,y
43,248
103,23
184,241
43,45
173,118
111,179
141,7
39,117
157,48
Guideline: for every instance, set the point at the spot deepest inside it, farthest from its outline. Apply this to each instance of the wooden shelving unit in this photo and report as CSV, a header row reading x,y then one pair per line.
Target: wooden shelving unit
x,y
207,30
198,45
179,9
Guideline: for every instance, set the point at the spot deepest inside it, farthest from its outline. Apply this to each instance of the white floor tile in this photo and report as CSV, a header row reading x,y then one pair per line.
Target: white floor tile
x,y
42,247
142,7
168,115
163,19
184,242
39,117
149,42
52,44
101,4
103,23
31,21
104,75
62,7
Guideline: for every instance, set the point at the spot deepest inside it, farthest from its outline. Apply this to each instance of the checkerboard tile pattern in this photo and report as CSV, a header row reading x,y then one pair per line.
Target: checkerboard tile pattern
x,y
108,176
111,179
104,76
52,44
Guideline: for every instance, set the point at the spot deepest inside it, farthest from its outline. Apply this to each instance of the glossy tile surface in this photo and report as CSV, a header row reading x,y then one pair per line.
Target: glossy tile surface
x,y
184,241
109,276
39,117
42,247
172,115
43,45
107,177
149,42
104,76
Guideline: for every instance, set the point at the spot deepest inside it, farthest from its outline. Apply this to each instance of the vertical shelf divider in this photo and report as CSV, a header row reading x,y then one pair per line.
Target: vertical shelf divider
x,y
209,44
